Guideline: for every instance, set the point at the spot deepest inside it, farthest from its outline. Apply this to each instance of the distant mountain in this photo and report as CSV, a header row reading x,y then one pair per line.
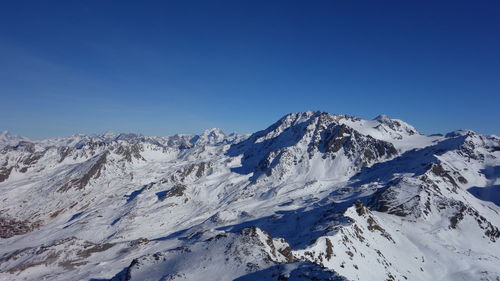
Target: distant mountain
x,y
315,196
7,138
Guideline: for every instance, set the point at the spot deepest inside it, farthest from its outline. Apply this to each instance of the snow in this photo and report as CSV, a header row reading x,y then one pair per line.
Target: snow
x,y
401,138
7,138
283,201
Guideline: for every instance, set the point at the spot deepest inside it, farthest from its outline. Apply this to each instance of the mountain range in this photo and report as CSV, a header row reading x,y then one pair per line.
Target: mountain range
x,y
315,196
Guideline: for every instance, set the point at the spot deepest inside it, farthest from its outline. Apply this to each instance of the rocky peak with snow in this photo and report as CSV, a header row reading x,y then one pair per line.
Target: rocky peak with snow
x,y
7,138
395,125
315,196
315,144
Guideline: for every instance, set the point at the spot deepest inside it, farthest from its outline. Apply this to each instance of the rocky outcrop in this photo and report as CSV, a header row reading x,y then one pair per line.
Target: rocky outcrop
x,y
10,227
67,253
93,171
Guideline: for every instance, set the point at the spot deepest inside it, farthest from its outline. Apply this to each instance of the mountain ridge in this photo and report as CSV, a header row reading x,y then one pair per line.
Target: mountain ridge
x,y
332,197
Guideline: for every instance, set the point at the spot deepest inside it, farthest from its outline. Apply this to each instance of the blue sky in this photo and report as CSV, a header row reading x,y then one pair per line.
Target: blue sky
x,y
164,67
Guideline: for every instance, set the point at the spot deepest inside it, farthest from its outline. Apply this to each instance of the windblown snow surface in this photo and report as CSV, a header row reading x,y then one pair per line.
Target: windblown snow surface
x,y
315,196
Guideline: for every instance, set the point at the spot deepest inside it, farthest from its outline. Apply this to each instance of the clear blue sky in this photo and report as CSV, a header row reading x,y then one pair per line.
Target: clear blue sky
x,y
162,67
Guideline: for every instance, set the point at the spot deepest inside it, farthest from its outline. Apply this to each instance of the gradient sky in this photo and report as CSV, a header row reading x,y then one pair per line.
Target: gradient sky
x,y
164,67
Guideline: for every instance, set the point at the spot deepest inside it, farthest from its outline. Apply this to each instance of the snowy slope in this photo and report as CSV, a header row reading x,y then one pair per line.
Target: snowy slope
x,y
315,196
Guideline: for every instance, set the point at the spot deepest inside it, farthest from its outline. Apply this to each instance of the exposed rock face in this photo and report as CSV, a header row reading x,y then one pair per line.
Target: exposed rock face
x,y
291,143
93,171
315,196
190,172
68,253
176,190
354,144
11,227
5,173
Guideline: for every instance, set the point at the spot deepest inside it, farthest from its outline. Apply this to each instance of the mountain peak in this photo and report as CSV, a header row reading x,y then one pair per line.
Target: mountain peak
x,y
382,118
109,134
397,125
7,137
461,132
213,132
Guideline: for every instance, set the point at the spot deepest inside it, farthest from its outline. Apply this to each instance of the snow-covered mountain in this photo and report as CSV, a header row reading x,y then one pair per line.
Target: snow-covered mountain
x,y
315,196
7,138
